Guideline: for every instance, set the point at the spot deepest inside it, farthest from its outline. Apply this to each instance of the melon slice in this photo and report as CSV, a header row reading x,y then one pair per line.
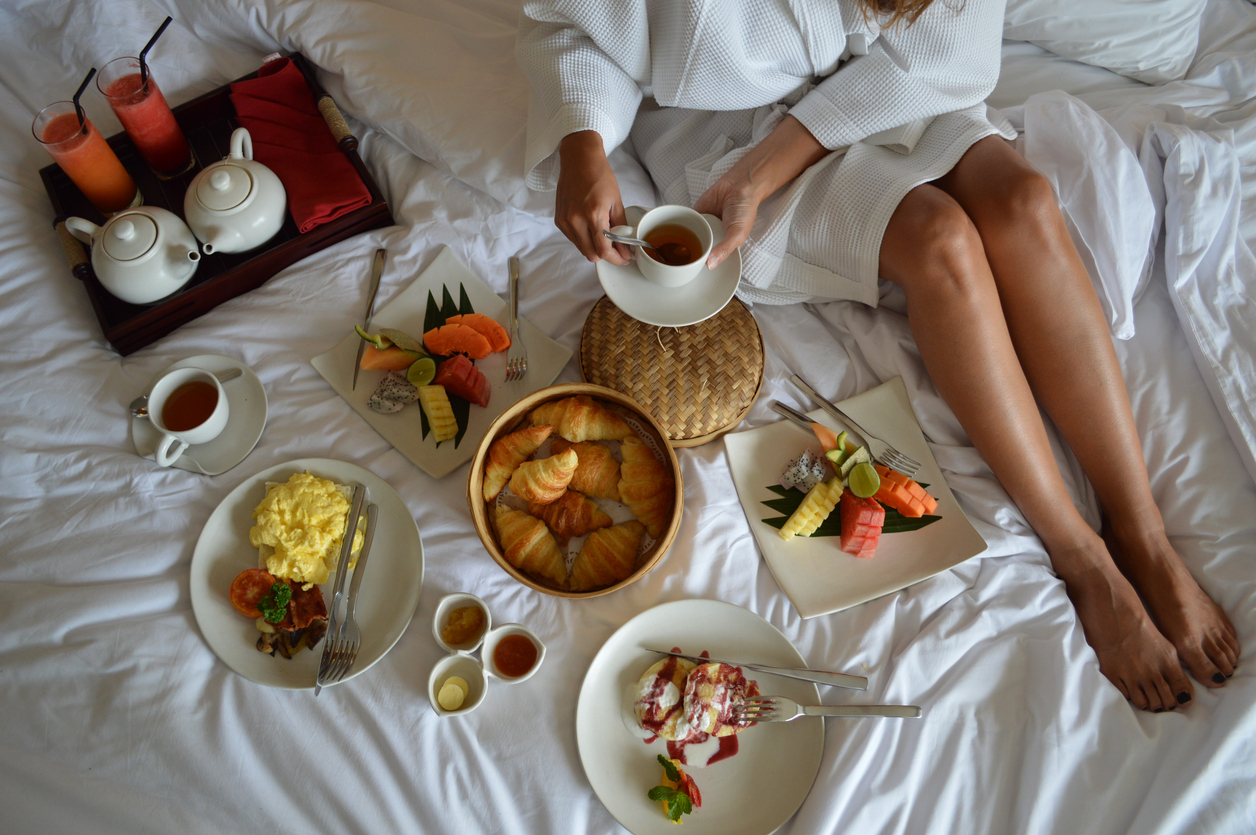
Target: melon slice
x,y
460,376
861,525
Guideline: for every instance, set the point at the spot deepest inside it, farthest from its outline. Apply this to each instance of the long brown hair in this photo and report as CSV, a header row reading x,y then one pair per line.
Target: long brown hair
x,y
889,12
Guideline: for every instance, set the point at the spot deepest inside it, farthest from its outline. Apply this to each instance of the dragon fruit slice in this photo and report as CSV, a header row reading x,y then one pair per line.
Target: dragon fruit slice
x,y
393,393
395,386
805,471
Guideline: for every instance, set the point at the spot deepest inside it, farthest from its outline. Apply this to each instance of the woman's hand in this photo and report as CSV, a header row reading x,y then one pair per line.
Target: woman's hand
x,y
734,198
734,201
588,201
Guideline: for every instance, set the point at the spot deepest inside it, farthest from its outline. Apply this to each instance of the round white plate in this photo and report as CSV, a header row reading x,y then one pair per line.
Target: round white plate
x,y
671,307
755,791
247,400
386,599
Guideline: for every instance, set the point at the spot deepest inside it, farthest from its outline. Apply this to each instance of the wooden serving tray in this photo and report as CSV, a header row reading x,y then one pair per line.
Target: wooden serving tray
x,y
207,123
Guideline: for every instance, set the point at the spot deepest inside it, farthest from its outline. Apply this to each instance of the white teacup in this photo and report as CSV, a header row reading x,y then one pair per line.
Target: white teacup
x,y
670,275
191,419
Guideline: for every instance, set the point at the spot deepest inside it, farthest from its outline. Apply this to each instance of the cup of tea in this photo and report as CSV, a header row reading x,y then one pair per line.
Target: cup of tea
x,y
187,406
682,240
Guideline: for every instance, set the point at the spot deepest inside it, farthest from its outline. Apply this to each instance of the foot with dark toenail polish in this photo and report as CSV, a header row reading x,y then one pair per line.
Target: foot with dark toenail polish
x,y
1183,697
1219,678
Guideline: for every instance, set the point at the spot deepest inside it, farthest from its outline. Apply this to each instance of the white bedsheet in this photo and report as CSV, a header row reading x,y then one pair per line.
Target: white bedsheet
x,y
118,718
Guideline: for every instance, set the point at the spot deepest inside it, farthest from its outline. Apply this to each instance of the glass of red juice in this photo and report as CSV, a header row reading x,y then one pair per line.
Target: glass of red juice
x,y
85,157
145,116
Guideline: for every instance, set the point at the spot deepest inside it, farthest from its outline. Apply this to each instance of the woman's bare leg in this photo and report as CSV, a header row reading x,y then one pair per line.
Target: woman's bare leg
x,y
1062,338
933,251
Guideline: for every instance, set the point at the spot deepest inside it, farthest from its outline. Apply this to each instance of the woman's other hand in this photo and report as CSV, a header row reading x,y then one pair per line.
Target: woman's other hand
x,y
587,202
734,201
734,198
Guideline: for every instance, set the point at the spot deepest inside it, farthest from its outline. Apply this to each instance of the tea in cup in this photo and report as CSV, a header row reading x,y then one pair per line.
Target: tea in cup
x,y
187,406
682,240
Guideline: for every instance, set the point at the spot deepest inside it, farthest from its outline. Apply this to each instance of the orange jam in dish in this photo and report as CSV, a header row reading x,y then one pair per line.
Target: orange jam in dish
x,y
464,625
514,655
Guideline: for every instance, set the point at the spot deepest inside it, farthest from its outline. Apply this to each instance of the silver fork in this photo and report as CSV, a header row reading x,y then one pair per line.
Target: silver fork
x,y
881,451
348,638
781,709
517,359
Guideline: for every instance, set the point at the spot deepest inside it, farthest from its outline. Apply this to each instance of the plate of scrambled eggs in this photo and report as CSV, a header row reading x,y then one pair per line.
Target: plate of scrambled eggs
x,y
289,519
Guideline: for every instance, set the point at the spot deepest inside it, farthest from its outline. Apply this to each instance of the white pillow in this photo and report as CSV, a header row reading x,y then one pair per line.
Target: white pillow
x,y
1151,40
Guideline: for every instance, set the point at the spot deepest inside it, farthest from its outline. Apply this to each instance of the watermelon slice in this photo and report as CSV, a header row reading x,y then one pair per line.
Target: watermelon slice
x,y
861,525
460,376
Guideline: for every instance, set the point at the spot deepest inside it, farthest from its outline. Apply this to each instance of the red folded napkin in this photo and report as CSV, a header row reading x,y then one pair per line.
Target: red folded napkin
x,y
290,138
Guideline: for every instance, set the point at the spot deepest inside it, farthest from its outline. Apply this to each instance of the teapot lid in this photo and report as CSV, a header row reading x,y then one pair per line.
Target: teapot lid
x,y
225,187
129,236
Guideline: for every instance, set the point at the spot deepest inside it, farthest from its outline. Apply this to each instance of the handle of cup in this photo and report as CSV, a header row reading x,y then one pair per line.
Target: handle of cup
x,y
163,454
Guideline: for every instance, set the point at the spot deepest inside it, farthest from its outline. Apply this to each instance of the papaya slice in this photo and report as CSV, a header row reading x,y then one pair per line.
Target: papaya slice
x,y
457,338
486,325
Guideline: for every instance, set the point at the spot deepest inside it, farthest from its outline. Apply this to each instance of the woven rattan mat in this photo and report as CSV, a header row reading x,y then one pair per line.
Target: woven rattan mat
x,y
698,381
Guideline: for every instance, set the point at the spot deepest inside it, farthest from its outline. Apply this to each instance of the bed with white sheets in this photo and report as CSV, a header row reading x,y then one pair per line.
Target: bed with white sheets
x,y
116,716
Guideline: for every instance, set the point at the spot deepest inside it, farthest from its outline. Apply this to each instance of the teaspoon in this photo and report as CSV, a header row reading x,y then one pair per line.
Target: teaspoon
x,y
139,406
670,253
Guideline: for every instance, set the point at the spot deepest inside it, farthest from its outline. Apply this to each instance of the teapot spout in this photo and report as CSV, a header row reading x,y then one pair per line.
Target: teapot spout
x,y
209,247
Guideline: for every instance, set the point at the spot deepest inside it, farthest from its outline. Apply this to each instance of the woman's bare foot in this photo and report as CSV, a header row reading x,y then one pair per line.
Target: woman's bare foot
x,y
1197,627
1132,653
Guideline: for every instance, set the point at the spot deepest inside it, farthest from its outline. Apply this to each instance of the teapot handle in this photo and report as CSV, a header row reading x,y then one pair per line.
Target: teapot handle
x,y
241,144
82,229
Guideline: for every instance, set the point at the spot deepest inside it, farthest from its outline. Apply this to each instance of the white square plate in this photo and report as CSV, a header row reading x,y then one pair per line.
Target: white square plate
x,y
813,571
546,359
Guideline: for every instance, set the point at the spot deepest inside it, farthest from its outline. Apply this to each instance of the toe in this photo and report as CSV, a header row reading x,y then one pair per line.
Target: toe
x,y
1201,666
1218,652
1164,695
1138,698
1181,691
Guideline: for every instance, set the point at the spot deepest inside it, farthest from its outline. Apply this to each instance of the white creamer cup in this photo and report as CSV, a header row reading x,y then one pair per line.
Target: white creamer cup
x,y
208,429
667,275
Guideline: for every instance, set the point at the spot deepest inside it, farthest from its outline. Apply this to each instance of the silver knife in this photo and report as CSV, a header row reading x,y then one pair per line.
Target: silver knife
x,y
342,566
817,676
377,269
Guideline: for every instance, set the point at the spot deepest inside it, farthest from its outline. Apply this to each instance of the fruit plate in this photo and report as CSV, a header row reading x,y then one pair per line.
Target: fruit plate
x,y
756,790
813,571
406,312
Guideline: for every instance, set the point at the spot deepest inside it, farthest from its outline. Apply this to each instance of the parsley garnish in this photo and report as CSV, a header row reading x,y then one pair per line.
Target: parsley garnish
x,y
274,605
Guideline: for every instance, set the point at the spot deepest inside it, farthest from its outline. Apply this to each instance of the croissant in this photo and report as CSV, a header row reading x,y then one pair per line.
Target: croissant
x,y
580,418
507,453
544,480
607,556
645,486
598,471
529,545
571,515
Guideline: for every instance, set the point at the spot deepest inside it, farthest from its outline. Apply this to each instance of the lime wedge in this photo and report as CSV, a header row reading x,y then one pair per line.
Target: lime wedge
x,y
403,340
421,372
378,340
863,480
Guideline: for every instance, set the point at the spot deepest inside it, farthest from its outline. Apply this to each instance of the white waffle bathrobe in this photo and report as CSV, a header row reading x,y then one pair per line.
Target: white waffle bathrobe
x,y
898,107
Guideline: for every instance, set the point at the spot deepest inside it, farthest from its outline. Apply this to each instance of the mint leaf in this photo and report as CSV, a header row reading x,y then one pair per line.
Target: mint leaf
x,y
662,793
669,769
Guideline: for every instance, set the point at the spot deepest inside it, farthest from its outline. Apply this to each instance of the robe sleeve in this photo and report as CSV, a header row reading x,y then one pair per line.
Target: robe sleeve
x,y
947,60
587,64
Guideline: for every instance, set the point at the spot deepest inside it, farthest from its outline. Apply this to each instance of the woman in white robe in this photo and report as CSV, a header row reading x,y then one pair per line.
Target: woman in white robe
x,y
847,141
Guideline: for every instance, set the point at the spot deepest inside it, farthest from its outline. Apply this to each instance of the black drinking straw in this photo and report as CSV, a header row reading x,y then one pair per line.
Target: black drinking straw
x,y
148,46
77,107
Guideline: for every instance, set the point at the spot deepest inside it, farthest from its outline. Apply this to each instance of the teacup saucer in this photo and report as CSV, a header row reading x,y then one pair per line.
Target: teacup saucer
x,y
671,307
247,399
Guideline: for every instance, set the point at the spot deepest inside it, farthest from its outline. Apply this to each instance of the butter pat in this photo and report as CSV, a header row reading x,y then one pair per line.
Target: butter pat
x,y
453,693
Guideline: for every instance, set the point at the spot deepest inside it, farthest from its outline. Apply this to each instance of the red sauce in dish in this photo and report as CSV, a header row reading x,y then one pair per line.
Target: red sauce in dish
x,y
514,655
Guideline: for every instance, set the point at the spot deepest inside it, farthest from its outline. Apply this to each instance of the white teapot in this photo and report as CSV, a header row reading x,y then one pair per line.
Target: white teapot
x,y
140,255
235,204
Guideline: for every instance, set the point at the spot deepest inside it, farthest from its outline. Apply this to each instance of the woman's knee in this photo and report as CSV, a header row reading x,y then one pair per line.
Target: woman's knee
x,y
1022,198
932,242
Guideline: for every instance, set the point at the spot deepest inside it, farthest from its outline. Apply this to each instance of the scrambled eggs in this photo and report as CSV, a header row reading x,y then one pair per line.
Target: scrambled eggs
x,y
300,527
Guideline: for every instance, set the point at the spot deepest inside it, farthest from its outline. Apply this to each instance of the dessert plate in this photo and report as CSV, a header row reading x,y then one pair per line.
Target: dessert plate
x,y
405,312
247,401
386,600
755,791
671,307
813,572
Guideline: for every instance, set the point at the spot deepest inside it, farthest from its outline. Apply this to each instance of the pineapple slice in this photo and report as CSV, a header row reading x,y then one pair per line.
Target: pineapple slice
x,y
815,508
440,415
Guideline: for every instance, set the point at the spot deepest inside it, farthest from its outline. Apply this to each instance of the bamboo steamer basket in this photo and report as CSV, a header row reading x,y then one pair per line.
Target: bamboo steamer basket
x,y
515,417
